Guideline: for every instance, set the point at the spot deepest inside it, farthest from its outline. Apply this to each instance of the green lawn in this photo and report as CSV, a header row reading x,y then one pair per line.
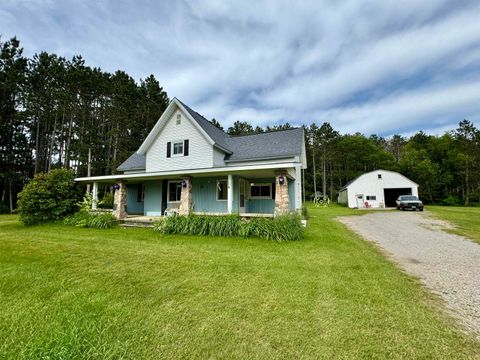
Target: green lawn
x,y
465,219
75,293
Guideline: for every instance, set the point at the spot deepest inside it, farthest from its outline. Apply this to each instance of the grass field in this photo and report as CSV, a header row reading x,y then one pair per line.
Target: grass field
x,y
74,293
465,219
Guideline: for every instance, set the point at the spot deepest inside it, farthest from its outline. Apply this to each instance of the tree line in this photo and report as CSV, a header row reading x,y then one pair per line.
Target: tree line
x,y
446,168
56,112
61,113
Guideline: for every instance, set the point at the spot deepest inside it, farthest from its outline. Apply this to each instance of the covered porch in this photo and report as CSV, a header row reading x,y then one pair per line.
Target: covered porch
x,y
247,192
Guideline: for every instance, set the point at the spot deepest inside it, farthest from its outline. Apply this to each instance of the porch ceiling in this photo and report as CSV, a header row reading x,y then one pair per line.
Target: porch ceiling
x,y
250,174
267,170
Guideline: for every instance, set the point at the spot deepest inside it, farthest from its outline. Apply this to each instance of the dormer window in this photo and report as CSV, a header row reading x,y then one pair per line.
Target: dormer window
x,y
179,119
178,148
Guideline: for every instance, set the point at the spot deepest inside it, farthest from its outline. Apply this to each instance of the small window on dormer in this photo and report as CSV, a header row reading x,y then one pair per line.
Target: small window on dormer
x,y
179,119
379,176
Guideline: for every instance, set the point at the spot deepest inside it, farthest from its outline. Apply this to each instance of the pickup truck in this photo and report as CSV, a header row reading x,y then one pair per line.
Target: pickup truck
x,y
411,202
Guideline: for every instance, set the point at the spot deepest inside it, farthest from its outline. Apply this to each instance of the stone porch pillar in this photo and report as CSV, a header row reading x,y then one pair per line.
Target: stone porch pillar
x,y
186,199
282,199
120,201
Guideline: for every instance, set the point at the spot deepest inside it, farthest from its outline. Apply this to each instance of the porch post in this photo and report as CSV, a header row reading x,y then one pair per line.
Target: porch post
x,y
282,198
298,188
120,201
186,201
95,196
230,194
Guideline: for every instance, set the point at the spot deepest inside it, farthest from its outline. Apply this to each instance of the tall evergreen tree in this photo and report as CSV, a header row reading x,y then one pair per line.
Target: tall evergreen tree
x,y
241,128
56,112
15,155
217,124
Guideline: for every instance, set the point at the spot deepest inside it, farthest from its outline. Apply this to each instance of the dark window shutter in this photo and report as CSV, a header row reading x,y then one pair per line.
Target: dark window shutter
x,y
169,149
185,147
273,191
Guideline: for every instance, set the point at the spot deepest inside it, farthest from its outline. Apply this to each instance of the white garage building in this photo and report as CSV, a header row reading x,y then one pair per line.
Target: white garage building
x,y
376,189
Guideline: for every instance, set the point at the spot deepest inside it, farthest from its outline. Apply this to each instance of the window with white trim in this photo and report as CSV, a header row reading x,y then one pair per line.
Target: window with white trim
x,y
261,191
372,197
222,190
179,119
178,148
174,191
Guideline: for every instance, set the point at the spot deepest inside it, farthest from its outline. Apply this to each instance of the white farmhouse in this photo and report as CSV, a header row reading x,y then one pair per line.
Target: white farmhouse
x,y
376,189
187,165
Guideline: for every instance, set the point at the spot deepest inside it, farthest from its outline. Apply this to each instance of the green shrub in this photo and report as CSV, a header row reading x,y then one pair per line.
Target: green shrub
x,y
451,201
107,201
87,219
281,228
48,197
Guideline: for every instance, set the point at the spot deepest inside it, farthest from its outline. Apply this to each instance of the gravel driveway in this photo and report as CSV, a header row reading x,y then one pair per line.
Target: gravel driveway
x,y
447,264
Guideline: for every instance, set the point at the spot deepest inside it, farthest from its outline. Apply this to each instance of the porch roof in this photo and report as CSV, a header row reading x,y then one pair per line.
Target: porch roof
x,y
258,170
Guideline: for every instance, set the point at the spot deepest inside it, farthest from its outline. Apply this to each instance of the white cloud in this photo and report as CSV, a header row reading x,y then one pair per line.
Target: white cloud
x,y
423,109
394,65
392,58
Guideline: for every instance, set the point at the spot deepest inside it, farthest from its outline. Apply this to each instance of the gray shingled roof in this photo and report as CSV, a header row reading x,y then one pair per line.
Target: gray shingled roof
x,y
218,136
134,162
266,145
269,145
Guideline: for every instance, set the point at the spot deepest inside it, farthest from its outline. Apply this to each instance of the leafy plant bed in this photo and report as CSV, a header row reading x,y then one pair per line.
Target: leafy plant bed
x,y
98,220
280,228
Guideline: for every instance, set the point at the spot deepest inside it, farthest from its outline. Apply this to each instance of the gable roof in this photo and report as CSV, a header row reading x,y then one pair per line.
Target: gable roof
x,y
204,126
269,145
345,187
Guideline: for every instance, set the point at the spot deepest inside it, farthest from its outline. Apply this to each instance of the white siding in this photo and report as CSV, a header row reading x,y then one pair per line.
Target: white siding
x,y
200,150
369,184
218,158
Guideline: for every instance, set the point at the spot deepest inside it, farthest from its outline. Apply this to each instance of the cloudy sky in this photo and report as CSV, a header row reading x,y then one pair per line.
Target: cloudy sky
x,y
376,66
